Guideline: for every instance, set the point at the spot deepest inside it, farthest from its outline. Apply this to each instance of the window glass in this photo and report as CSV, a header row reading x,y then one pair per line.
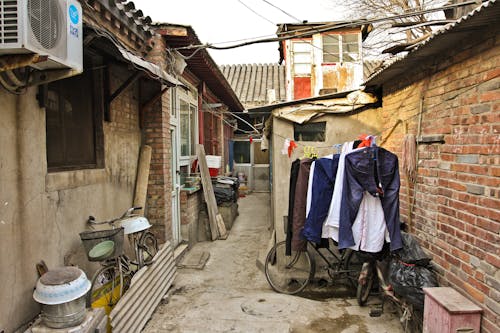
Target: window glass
x,y
302,58
241,152
350,48
309,132
193,121
331,49
184,112
71,132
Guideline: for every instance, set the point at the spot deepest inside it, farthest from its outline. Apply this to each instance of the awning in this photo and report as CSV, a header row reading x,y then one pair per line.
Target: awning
x,y
150,68
303,112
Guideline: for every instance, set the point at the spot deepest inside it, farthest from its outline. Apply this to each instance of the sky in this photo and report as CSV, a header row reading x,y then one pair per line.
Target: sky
x,y
217,21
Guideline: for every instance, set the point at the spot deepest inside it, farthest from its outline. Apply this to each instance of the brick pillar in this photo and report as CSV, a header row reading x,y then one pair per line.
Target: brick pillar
x,y
157,135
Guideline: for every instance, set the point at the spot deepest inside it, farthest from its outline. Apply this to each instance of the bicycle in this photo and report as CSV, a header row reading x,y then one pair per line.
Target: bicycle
x,y
114,277
290,274
376,271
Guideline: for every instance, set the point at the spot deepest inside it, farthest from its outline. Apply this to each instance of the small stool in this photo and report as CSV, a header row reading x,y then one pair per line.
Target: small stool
x,y
447,311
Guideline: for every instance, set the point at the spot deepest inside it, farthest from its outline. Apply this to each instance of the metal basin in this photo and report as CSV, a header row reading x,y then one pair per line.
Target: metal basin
x,y
64,315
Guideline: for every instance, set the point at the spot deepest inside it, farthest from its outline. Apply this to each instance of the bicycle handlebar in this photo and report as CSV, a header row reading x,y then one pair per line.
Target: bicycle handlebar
x,y
127,213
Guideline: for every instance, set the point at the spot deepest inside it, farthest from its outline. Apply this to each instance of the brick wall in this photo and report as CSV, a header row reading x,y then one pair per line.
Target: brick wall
x,y
454,205
157,135
190,206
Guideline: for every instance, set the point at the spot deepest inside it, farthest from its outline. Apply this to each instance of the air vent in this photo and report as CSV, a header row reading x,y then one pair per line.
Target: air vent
x,y
44,17
9,22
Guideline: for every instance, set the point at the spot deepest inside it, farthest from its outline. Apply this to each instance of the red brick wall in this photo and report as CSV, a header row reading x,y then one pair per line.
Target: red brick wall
x,y
455,202
157,135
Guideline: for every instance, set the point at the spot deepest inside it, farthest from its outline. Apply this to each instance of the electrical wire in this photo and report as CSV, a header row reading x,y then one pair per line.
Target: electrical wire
x,y
255,12
281,10
221,116
324,28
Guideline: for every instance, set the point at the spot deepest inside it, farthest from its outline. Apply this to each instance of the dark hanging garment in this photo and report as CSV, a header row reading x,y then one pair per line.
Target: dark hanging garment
x,y
323,182
294,172
299,205
375,170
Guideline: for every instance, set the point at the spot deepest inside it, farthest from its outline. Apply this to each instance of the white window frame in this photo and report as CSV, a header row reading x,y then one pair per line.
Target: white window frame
x,y
306,53
341,47
191,98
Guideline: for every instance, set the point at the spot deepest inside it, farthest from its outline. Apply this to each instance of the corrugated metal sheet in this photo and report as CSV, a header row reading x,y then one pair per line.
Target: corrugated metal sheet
x,y
149,285
480,19
251,82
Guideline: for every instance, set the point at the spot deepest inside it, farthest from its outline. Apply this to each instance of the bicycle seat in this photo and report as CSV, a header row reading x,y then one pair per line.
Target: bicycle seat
x,y
134,224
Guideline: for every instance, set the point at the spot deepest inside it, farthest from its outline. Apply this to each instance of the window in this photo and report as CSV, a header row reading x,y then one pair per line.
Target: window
x,y
331,48
302,58
188,125
241,152
350,48
74,136
341,48
309,132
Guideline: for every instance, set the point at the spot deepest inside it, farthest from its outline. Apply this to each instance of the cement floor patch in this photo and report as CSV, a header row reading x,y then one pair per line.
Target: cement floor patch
x,y
194,260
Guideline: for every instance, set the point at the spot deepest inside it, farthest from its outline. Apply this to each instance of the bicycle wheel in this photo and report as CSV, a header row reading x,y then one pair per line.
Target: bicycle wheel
x,y
288,274
365,283
411,319
147,248
352,264
106,287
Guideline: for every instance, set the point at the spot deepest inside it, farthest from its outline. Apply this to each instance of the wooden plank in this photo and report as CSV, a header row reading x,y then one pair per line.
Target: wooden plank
x,y
221,227
141,183
215,229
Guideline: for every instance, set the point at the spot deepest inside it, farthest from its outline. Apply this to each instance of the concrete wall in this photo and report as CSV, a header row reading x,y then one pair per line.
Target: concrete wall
x,y
453,207
41,214
339,129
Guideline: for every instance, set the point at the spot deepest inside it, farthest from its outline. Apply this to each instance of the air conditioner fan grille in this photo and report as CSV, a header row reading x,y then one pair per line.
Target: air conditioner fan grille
x,y
44,18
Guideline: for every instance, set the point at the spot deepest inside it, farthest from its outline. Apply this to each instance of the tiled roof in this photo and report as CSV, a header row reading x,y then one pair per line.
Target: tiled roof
x,y
127,14
252,81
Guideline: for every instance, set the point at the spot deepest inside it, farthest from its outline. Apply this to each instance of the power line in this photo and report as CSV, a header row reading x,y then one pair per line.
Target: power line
x,y
253,11
281,10
324,28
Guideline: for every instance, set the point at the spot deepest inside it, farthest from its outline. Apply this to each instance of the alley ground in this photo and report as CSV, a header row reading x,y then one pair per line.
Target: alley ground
x,y
231,294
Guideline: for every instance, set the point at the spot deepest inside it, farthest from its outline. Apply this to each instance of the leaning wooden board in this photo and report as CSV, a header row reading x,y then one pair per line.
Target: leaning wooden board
x,y
217,227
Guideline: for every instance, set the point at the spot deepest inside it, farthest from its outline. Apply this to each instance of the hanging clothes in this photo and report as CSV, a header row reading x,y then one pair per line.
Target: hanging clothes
x,y
294,172
374,170
321,185
369,229
331,225
299,204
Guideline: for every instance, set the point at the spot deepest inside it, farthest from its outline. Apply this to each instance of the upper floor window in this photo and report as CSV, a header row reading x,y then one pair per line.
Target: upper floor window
x,y
74,137
341,48
302,58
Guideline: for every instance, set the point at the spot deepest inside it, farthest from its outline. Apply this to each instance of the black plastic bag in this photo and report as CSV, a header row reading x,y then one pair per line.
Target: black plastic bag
x,y
410,271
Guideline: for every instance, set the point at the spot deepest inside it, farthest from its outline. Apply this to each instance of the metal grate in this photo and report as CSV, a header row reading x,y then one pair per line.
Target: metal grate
x,y
9,22
44,20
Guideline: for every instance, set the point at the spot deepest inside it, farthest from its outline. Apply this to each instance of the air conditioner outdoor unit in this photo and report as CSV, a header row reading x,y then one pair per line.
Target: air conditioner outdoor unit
x,y
46,27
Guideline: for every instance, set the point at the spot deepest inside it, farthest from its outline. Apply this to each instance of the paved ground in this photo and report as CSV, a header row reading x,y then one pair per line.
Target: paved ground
x,y
230,294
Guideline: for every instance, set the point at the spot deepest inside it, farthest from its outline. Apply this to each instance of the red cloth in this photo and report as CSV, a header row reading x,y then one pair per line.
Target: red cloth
x,y
291,147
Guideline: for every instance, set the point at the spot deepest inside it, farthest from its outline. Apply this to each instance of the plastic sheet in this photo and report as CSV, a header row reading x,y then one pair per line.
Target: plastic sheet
x,y
411,272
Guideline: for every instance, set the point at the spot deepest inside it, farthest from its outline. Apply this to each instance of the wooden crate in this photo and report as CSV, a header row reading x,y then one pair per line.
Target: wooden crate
x,y
447,311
